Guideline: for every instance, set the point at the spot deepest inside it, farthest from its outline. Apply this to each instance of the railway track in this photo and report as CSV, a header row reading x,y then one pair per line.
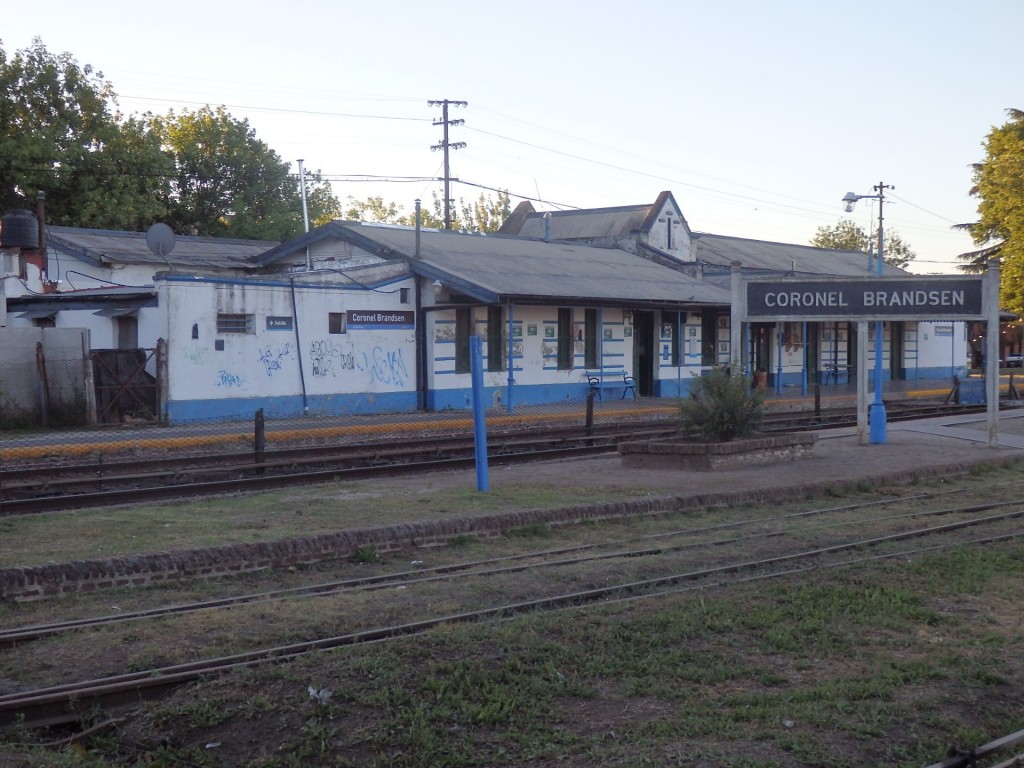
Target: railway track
x,y
32,488
561,579
562,556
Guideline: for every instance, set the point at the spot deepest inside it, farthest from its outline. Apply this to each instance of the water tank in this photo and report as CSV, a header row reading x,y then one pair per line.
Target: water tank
x,y
19,229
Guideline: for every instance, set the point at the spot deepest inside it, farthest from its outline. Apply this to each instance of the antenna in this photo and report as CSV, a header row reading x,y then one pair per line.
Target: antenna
x,y
160,239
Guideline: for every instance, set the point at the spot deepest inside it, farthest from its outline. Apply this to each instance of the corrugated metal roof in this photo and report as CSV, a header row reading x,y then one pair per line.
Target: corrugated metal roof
x,y
591,223
786,258
520,269
107,246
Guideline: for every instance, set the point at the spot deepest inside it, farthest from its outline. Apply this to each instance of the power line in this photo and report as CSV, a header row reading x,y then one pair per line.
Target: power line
x,y
281,109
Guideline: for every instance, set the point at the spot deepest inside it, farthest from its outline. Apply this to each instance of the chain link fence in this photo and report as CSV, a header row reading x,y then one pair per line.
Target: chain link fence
x,y
138,438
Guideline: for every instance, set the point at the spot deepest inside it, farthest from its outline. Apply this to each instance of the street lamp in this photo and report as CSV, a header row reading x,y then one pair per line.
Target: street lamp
x,y
877,418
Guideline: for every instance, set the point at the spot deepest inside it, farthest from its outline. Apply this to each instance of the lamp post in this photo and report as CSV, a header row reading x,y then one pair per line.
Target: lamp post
x,y
877,419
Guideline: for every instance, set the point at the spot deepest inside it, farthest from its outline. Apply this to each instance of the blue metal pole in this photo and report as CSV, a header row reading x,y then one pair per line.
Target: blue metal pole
x,y
877,426
476,360
778,350
803,375
511,359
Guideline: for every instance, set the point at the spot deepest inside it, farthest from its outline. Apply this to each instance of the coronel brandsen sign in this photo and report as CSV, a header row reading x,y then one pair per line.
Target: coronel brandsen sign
x,y
895,298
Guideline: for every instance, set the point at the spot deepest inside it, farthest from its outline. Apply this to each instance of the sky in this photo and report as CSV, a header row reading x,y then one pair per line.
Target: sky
x,y
757,116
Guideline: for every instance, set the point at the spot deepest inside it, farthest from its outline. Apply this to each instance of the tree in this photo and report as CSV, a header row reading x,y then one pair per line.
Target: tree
x,y
999,231
61,133
485,214
203,172
229,183
846,235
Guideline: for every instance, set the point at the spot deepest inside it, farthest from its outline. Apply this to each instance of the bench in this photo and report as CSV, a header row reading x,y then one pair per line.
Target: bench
x,y
600,381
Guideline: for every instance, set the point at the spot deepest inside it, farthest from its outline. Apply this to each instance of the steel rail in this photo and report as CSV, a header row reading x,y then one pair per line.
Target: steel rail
x,y
20,635
61,704
255,481
181,481
964,758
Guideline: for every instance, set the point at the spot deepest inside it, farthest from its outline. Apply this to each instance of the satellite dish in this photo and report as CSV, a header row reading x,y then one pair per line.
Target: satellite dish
x,y
160,239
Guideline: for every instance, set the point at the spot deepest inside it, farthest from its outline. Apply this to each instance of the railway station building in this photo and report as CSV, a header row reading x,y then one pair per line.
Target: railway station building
x,y
369,318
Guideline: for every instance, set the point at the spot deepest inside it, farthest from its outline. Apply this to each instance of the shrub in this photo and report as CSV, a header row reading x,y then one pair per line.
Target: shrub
x,y
722,406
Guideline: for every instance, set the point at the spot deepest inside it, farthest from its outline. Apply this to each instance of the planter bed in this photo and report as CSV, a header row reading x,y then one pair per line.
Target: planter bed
x,y
680,453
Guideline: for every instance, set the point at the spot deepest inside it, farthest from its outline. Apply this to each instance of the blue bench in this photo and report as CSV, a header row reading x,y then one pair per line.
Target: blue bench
x,y
600,381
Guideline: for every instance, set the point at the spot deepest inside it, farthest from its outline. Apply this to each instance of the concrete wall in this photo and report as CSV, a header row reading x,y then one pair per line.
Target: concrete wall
x,y
67,367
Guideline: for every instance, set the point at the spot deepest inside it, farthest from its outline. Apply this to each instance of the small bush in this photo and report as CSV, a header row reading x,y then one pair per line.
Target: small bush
x,y
722,406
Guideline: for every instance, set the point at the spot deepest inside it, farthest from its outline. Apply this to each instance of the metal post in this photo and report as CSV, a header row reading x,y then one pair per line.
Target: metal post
x,y
511,359
862,394
878,418
778,351
476,358
259,440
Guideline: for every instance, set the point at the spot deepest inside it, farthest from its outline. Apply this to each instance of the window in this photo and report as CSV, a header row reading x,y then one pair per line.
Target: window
x,y
670,324
564,339
590,339
463,321
336,322
234,323
403,295
495,347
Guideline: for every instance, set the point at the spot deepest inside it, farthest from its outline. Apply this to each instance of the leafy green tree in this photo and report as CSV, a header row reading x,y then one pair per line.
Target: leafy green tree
x,y
848,236
999,231
61,133
229,183
485,214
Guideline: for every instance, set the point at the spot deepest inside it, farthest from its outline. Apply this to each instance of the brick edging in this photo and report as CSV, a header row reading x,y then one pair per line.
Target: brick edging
x,y
59,579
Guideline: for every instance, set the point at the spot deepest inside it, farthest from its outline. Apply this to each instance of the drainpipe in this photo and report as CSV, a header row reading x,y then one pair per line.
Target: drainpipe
x,y
305,213
421,328
298,343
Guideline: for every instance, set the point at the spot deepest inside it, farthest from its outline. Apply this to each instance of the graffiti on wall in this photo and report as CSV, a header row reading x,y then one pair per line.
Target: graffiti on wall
x,y
386,367
195,354
327,358
381,365
229,380
273,357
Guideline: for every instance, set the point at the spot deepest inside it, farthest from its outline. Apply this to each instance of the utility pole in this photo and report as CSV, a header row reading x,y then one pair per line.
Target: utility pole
x,y
447,145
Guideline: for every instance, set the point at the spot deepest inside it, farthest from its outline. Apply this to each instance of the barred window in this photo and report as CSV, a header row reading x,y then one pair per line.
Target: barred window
x,y
234,323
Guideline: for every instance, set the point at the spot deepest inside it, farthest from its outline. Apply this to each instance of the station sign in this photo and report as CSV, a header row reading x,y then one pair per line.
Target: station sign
x,y
380,319
279,323
894,298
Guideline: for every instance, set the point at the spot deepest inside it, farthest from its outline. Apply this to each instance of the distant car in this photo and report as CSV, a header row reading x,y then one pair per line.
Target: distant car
x,y
1013,361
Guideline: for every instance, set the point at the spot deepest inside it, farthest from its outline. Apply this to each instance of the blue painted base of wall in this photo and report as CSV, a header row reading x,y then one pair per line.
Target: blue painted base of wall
x,y
497,397
244,408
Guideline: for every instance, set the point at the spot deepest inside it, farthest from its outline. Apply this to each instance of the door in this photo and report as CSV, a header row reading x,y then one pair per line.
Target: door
x,y
761,347
644,352
897,348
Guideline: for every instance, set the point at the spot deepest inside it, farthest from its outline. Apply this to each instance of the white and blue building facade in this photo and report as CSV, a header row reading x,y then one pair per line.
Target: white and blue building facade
x,y
357,319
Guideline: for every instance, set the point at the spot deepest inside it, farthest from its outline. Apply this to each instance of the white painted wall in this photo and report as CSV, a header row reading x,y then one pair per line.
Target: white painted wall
x,y
266,362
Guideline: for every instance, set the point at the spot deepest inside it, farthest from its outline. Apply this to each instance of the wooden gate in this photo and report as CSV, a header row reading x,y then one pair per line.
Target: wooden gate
x,y
126,385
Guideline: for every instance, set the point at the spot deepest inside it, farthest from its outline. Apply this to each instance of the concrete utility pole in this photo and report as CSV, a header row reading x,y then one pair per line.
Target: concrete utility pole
x,y
447,145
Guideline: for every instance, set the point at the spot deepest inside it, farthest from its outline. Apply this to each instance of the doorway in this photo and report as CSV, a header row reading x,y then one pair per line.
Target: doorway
x,y
644,348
